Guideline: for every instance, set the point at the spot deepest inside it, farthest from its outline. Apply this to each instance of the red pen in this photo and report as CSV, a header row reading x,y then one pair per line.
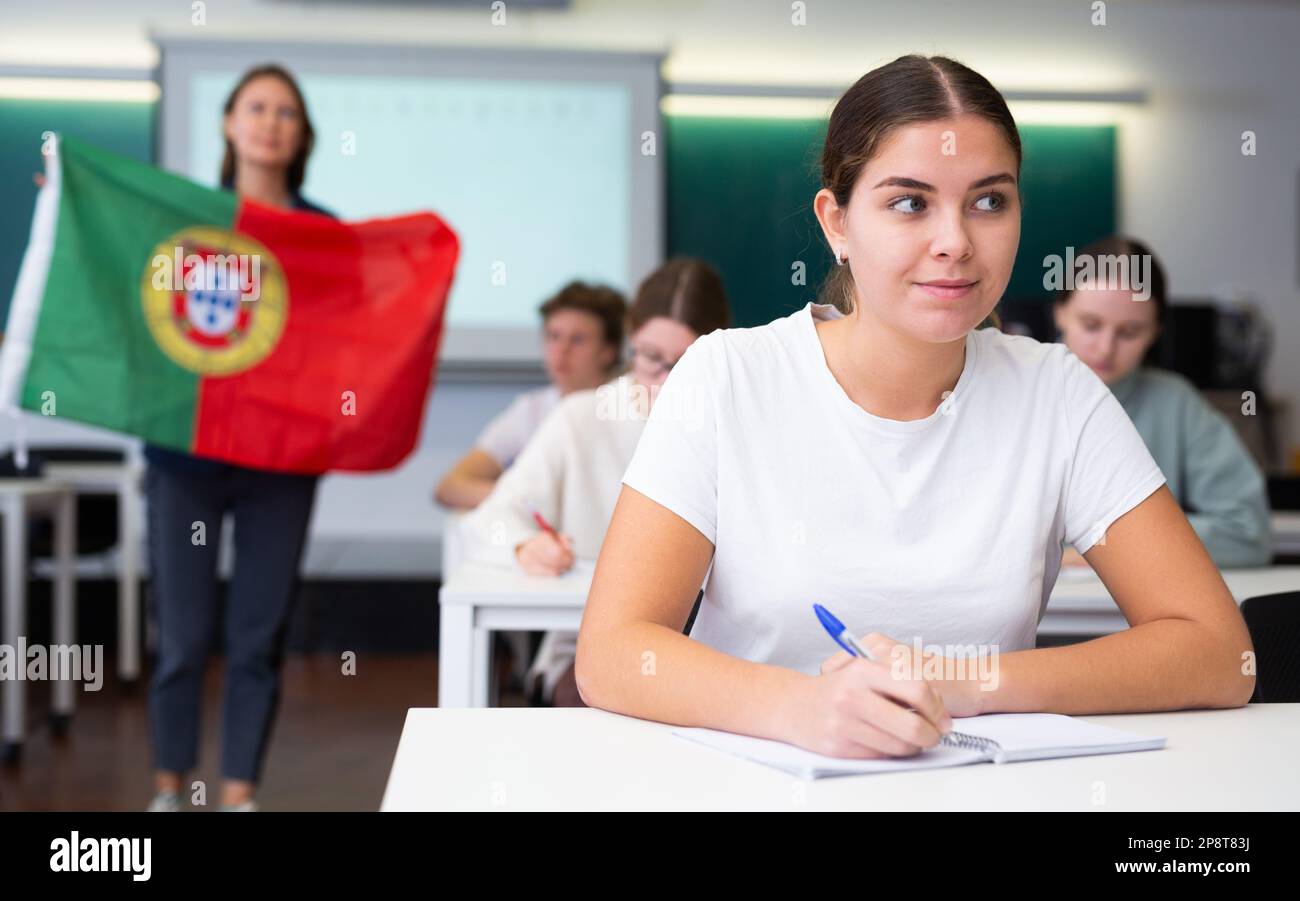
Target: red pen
x,y
543,524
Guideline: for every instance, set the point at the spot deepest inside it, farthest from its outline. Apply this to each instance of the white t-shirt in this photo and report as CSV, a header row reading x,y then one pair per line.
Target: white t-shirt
x,y
505,436
946,529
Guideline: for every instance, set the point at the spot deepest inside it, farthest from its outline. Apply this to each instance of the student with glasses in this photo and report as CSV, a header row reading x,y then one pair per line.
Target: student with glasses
x,y
571,470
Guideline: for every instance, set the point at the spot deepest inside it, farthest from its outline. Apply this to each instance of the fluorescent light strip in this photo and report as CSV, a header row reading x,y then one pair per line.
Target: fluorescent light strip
x,y
100,89
813,102
1026,112
1064,112
719,106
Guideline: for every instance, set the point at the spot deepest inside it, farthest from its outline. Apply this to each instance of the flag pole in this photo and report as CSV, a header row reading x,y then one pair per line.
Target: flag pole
x,y
16,349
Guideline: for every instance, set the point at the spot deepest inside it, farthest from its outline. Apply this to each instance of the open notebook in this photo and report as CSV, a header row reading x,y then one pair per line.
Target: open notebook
x,y
998,737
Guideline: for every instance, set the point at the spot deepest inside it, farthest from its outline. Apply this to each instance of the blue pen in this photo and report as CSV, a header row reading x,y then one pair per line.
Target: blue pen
x,y
844,638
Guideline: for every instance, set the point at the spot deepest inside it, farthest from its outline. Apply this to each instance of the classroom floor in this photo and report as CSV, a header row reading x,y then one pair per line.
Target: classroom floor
x,y
332,748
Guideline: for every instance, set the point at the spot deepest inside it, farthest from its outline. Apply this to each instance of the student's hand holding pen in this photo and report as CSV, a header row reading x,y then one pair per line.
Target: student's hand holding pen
x,y
857,708
960,696
546,554
864,705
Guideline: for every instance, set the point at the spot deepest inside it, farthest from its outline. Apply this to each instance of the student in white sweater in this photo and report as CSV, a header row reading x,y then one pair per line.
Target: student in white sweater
x,y
572,469
883,456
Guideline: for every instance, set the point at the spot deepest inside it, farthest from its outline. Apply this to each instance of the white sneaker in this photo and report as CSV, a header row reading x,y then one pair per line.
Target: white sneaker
x,y
165,802
248,806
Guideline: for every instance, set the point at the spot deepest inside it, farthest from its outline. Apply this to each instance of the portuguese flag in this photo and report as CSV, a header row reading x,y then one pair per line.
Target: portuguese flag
x,y
198,321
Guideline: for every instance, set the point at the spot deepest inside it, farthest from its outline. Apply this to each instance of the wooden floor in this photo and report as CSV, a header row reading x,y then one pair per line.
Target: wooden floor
x,y
332,747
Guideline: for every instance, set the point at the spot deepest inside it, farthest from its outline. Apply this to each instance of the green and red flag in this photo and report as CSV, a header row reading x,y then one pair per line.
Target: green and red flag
x,y
198,321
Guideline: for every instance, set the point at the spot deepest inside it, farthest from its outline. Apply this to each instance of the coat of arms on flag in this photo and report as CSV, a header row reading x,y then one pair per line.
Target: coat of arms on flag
x,y
214,300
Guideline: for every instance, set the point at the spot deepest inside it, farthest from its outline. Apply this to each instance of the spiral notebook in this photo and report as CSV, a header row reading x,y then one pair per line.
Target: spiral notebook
x,y
993,738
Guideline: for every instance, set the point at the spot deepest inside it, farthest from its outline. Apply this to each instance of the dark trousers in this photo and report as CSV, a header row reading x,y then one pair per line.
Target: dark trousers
x,y
271,512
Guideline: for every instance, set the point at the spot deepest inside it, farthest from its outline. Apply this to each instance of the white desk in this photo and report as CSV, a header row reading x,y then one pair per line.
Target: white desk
x,y
1286,532
123,480
537,758
479,599
1081,605
18,499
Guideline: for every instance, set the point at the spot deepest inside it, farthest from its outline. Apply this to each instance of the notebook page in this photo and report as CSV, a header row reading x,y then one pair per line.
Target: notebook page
x,y
1037,736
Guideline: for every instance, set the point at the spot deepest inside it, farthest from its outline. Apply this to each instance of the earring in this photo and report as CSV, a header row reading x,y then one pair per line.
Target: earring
x,y
839,256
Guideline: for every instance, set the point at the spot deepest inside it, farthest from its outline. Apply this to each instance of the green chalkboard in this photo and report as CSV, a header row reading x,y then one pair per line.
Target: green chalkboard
x,y
740,196
122,127
1071,193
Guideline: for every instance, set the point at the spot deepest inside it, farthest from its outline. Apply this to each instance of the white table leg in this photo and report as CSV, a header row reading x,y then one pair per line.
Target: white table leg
x,y
15,616
65,594
456,656
128,580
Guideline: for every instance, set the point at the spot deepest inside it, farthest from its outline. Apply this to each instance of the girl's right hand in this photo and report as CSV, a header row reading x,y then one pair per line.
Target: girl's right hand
x,y
39,177
860,710
544,555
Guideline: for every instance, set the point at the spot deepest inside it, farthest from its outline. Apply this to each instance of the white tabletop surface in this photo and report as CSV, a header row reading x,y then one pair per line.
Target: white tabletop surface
x,y
1286,532
1077,588
485,583
534,758
1080,587
33,487
78,469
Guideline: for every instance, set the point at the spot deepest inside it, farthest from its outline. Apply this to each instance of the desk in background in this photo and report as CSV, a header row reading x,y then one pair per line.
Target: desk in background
x,y
534,758
20,498
1081,605
122,480
479,599
1286,533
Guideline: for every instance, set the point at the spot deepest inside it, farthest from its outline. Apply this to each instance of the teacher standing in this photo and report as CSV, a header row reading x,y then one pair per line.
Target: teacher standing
x,y
268,138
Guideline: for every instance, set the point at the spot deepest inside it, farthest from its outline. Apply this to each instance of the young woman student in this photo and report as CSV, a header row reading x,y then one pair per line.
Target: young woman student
x,y
570,472
881,456
268,140
1209,470
582,339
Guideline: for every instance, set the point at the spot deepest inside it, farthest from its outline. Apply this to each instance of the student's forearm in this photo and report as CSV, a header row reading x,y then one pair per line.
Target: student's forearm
x,y
463,492
655,673
1168,664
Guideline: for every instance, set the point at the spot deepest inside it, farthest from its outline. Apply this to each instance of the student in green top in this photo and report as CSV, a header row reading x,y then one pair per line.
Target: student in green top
x,y
1209,470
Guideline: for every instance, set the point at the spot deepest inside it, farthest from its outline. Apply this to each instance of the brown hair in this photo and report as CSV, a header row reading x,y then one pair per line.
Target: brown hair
x,y
908,90
604,303
298,165
1119,245
685,290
